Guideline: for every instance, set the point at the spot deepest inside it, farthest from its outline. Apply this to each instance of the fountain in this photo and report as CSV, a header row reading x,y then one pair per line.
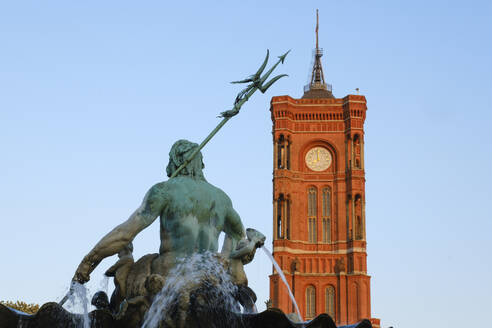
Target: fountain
x,y
189,283
282,276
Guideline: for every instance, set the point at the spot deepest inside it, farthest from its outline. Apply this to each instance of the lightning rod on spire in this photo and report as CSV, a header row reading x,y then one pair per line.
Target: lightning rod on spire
x,y
317,27
317,87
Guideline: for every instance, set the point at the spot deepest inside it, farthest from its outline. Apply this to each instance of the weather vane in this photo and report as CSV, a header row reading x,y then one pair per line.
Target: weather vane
x,y
257,82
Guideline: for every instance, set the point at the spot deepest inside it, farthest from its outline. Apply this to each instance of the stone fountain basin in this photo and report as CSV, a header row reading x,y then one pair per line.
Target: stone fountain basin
x,y
52,315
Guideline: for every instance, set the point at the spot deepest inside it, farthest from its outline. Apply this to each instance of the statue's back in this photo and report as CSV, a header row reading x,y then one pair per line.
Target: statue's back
x,y
192,217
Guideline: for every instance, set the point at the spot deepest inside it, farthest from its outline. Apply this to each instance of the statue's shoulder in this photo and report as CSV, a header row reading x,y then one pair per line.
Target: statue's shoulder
x,y
157,193
220,194
157,197
173,187
158,188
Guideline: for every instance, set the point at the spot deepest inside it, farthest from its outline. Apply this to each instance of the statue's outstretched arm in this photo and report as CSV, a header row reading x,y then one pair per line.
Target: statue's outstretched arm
x,y
121,262
247,249
120,236
255,239
234,230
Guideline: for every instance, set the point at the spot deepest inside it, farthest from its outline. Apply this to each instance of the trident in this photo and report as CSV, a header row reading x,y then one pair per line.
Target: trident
x,y
257,83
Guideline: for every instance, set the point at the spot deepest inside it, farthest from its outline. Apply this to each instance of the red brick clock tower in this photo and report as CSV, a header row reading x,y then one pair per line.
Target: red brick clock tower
x,y
318,199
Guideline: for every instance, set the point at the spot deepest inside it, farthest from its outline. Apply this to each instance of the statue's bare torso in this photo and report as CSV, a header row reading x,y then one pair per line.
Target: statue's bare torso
x,y
192,215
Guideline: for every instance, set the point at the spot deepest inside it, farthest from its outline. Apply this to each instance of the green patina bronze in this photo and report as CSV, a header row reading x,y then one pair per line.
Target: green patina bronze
x,y
192,215
257,82
192,211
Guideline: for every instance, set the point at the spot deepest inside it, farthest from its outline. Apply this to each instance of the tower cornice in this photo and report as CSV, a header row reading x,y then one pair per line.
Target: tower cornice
x,y
321,101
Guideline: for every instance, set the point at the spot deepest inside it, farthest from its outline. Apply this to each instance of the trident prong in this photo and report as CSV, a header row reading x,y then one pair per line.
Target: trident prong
x,y
255,76
257,83
267,74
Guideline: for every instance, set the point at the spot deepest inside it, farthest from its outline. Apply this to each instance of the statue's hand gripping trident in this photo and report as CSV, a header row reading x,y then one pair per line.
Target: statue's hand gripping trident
x,y
257,82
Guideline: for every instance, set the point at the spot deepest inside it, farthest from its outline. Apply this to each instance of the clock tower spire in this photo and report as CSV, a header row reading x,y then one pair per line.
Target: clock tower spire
x,y
317,87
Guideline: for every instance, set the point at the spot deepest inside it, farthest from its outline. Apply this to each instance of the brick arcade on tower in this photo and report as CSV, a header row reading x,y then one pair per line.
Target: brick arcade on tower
x,y
318,202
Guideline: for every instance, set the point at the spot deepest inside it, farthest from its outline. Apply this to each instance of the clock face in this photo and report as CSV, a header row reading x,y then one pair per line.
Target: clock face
x,y
318,159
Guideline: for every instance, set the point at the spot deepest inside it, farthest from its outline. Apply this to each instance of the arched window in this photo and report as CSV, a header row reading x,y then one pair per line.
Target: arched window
x,y
358,218
326,231
288,155
310,302
326,210
330,301
283,153
283,217
326,202
358,228
347,218
356,151
280,205
287,218
280,151
312,213
312,230
312,202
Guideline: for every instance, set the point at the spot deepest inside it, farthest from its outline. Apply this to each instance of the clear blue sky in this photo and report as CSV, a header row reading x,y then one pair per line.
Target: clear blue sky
x,y
93,94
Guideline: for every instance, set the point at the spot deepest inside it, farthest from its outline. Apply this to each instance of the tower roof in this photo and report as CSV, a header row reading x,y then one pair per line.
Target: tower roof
x,y
317,88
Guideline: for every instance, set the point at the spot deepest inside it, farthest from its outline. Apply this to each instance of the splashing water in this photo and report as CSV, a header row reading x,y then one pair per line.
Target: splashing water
x,y
77,298
254,309
189,274
280,272
104,284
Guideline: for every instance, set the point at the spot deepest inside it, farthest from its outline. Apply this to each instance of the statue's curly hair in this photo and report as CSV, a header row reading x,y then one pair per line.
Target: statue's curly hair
x,y
177,156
